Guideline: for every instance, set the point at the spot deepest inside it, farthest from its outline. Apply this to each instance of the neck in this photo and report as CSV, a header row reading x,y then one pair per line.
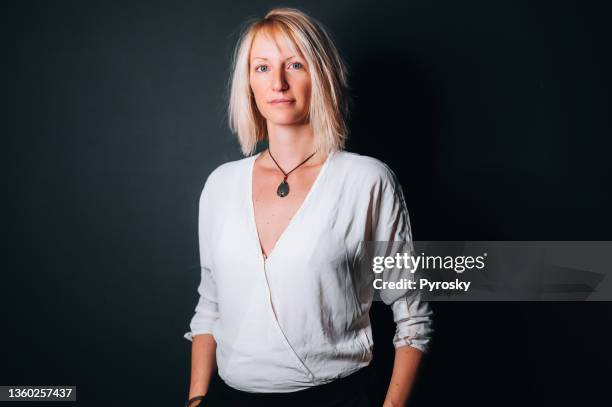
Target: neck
x,y
290,145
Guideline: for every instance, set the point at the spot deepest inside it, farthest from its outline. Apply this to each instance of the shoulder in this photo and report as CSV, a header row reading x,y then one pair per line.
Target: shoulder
x,y
229,170
365,170
228,173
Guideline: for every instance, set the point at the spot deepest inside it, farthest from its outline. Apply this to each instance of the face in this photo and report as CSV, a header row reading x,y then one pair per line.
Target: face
x,y
280,81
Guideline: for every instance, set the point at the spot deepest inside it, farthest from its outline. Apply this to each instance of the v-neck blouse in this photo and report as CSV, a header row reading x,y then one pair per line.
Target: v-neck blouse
x,y
300,317
313,188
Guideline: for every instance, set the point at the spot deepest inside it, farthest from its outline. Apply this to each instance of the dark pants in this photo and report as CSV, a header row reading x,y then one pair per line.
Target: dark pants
x,y
350,391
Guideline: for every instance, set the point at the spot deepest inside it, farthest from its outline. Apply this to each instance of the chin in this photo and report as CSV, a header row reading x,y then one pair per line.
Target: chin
x,y
285,120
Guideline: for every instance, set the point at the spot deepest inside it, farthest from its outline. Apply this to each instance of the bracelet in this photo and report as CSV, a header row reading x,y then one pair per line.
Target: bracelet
x,y
196,398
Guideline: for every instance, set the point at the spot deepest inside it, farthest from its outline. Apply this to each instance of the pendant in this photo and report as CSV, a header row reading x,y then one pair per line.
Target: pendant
x,y
283,189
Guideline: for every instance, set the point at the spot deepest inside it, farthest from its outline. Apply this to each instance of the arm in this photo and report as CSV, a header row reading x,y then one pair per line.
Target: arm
x,y
413,319
405,366
203,364
412,316
204,346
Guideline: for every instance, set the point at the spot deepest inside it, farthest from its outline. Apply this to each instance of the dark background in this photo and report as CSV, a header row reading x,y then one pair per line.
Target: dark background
x,y
493,114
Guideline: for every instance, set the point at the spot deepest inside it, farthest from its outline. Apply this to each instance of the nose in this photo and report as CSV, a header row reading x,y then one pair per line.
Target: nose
x,y
279,82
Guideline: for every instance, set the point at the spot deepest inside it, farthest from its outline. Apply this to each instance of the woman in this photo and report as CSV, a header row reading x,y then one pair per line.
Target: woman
x,y
282,311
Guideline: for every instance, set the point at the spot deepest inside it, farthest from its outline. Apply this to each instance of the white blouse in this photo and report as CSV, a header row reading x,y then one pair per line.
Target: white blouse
x,y
299,318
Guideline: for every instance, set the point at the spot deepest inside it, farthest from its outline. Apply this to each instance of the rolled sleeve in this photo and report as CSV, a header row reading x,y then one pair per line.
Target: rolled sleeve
x,y
206,310
413,317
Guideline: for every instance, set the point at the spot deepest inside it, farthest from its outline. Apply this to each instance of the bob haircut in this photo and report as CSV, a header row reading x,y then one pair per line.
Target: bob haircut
x,y
329,104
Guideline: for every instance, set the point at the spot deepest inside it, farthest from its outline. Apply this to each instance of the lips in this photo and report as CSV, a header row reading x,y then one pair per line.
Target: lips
x,y
282,101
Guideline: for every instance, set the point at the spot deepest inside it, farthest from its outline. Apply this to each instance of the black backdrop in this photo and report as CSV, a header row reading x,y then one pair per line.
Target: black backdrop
x,y
494,115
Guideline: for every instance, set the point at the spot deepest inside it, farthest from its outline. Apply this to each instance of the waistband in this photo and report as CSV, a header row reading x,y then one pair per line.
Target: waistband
x,y
339,389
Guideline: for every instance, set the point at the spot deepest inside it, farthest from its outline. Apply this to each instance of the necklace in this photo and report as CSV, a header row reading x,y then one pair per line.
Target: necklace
x,y
283,187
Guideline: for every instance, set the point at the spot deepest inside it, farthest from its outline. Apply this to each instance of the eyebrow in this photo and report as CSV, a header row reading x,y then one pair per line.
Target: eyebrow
x,y
266,59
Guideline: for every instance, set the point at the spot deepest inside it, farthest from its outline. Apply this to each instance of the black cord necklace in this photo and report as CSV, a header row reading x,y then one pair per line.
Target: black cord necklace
x,y
283,187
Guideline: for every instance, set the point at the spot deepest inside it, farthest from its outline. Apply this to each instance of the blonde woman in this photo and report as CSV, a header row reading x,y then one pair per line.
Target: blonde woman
x,y
282,313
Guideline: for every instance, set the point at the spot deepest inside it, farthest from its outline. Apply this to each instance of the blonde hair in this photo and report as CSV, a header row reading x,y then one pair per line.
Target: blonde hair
x,y
329,104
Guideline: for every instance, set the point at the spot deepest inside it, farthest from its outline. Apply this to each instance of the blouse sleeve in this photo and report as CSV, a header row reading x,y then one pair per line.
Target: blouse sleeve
x,y
413,317
206,310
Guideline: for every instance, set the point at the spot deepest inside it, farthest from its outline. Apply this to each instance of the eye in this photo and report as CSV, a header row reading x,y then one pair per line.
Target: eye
x,y
261,68
296,65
